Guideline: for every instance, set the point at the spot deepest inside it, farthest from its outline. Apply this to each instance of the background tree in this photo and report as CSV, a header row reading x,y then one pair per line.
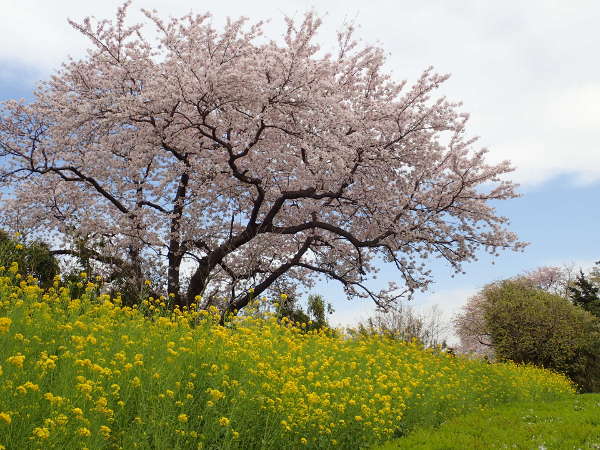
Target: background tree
x,y
251,161
552,279
33,258
529,325
594,274
405,323
315,315
470,324
471,328
584,294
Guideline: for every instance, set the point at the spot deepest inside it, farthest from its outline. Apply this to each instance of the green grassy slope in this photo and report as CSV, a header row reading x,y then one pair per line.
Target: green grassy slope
x,y
565,424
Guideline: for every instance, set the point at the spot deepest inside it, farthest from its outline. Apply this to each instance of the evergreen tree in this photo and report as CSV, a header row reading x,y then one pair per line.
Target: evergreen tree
x,y
583,293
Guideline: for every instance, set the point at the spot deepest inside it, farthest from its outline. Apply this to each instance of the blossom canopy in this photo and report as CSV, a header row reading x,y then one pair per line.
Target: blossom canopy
x,y
263,164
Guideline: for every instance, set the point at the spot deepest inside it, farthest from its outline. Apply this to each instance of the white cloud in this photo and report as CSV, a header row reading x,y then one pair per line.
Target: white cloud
x,y
577,108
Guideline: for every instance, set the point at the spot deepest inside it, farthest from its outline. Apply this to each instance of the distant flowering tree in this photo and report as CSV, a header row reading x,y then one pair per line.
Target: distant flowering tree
x,y
256,161
471,328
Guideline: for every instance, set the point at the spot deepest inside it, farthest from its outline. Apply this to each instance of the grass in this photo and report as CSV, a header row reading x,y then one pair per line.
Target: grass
x,y
88,373
565,424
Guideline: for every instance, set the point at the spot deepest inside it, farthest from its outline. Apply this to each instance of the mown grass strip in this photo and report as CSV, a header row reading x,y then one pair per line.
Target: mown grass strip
x,y
565,424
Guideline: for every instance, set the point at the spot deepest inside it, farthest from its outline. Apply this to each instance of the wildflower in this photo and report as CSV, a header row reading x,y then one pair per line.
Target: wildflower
x,y
5,324
101,403
283,297
49,423
105,431
224,421
215,394
182,418
31,386
61,419
5,417
42,433
303,441
84,432
16,360
19,246
77,411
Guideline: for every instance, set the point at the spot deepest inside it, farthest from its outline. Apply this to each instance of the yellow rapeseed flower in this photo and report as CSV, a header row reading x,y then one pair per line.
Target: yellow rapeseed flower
x,y
5,417
5,323
61,419
41,432
84,432
224,421
16,360
182,418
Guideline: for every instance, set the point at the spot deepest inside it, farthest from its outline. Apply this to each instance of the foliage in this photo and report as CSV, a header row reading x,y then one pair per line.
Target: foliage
x,y
406,324
251,161
528,325
315,316
470,324
31,258
584,294
89,372
564,424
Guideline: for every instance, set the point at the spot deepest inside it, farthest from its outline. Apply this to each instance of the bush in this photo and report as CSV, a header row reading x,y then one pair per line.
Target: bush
x,y
528,325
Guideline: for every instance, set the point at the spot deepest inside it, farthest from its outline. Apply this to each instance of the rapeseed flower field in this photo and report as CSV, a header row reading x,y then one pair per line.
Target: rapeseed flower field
x,y
90,373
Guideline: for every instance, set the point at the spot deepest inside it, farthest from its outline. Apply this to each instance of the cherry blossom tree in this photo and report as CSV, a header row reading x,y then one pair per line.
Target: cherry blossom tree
x,y
260,164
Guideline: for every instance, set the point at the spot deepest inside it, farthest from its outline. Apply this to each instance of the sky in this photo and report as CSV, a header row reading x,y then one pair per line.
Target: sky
x,y
527,72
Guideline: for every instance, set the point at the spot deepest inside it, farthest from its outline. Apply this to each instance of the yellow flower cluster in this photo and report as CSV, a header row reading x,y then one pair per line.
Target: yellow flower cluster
x,y
89,368
5,323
